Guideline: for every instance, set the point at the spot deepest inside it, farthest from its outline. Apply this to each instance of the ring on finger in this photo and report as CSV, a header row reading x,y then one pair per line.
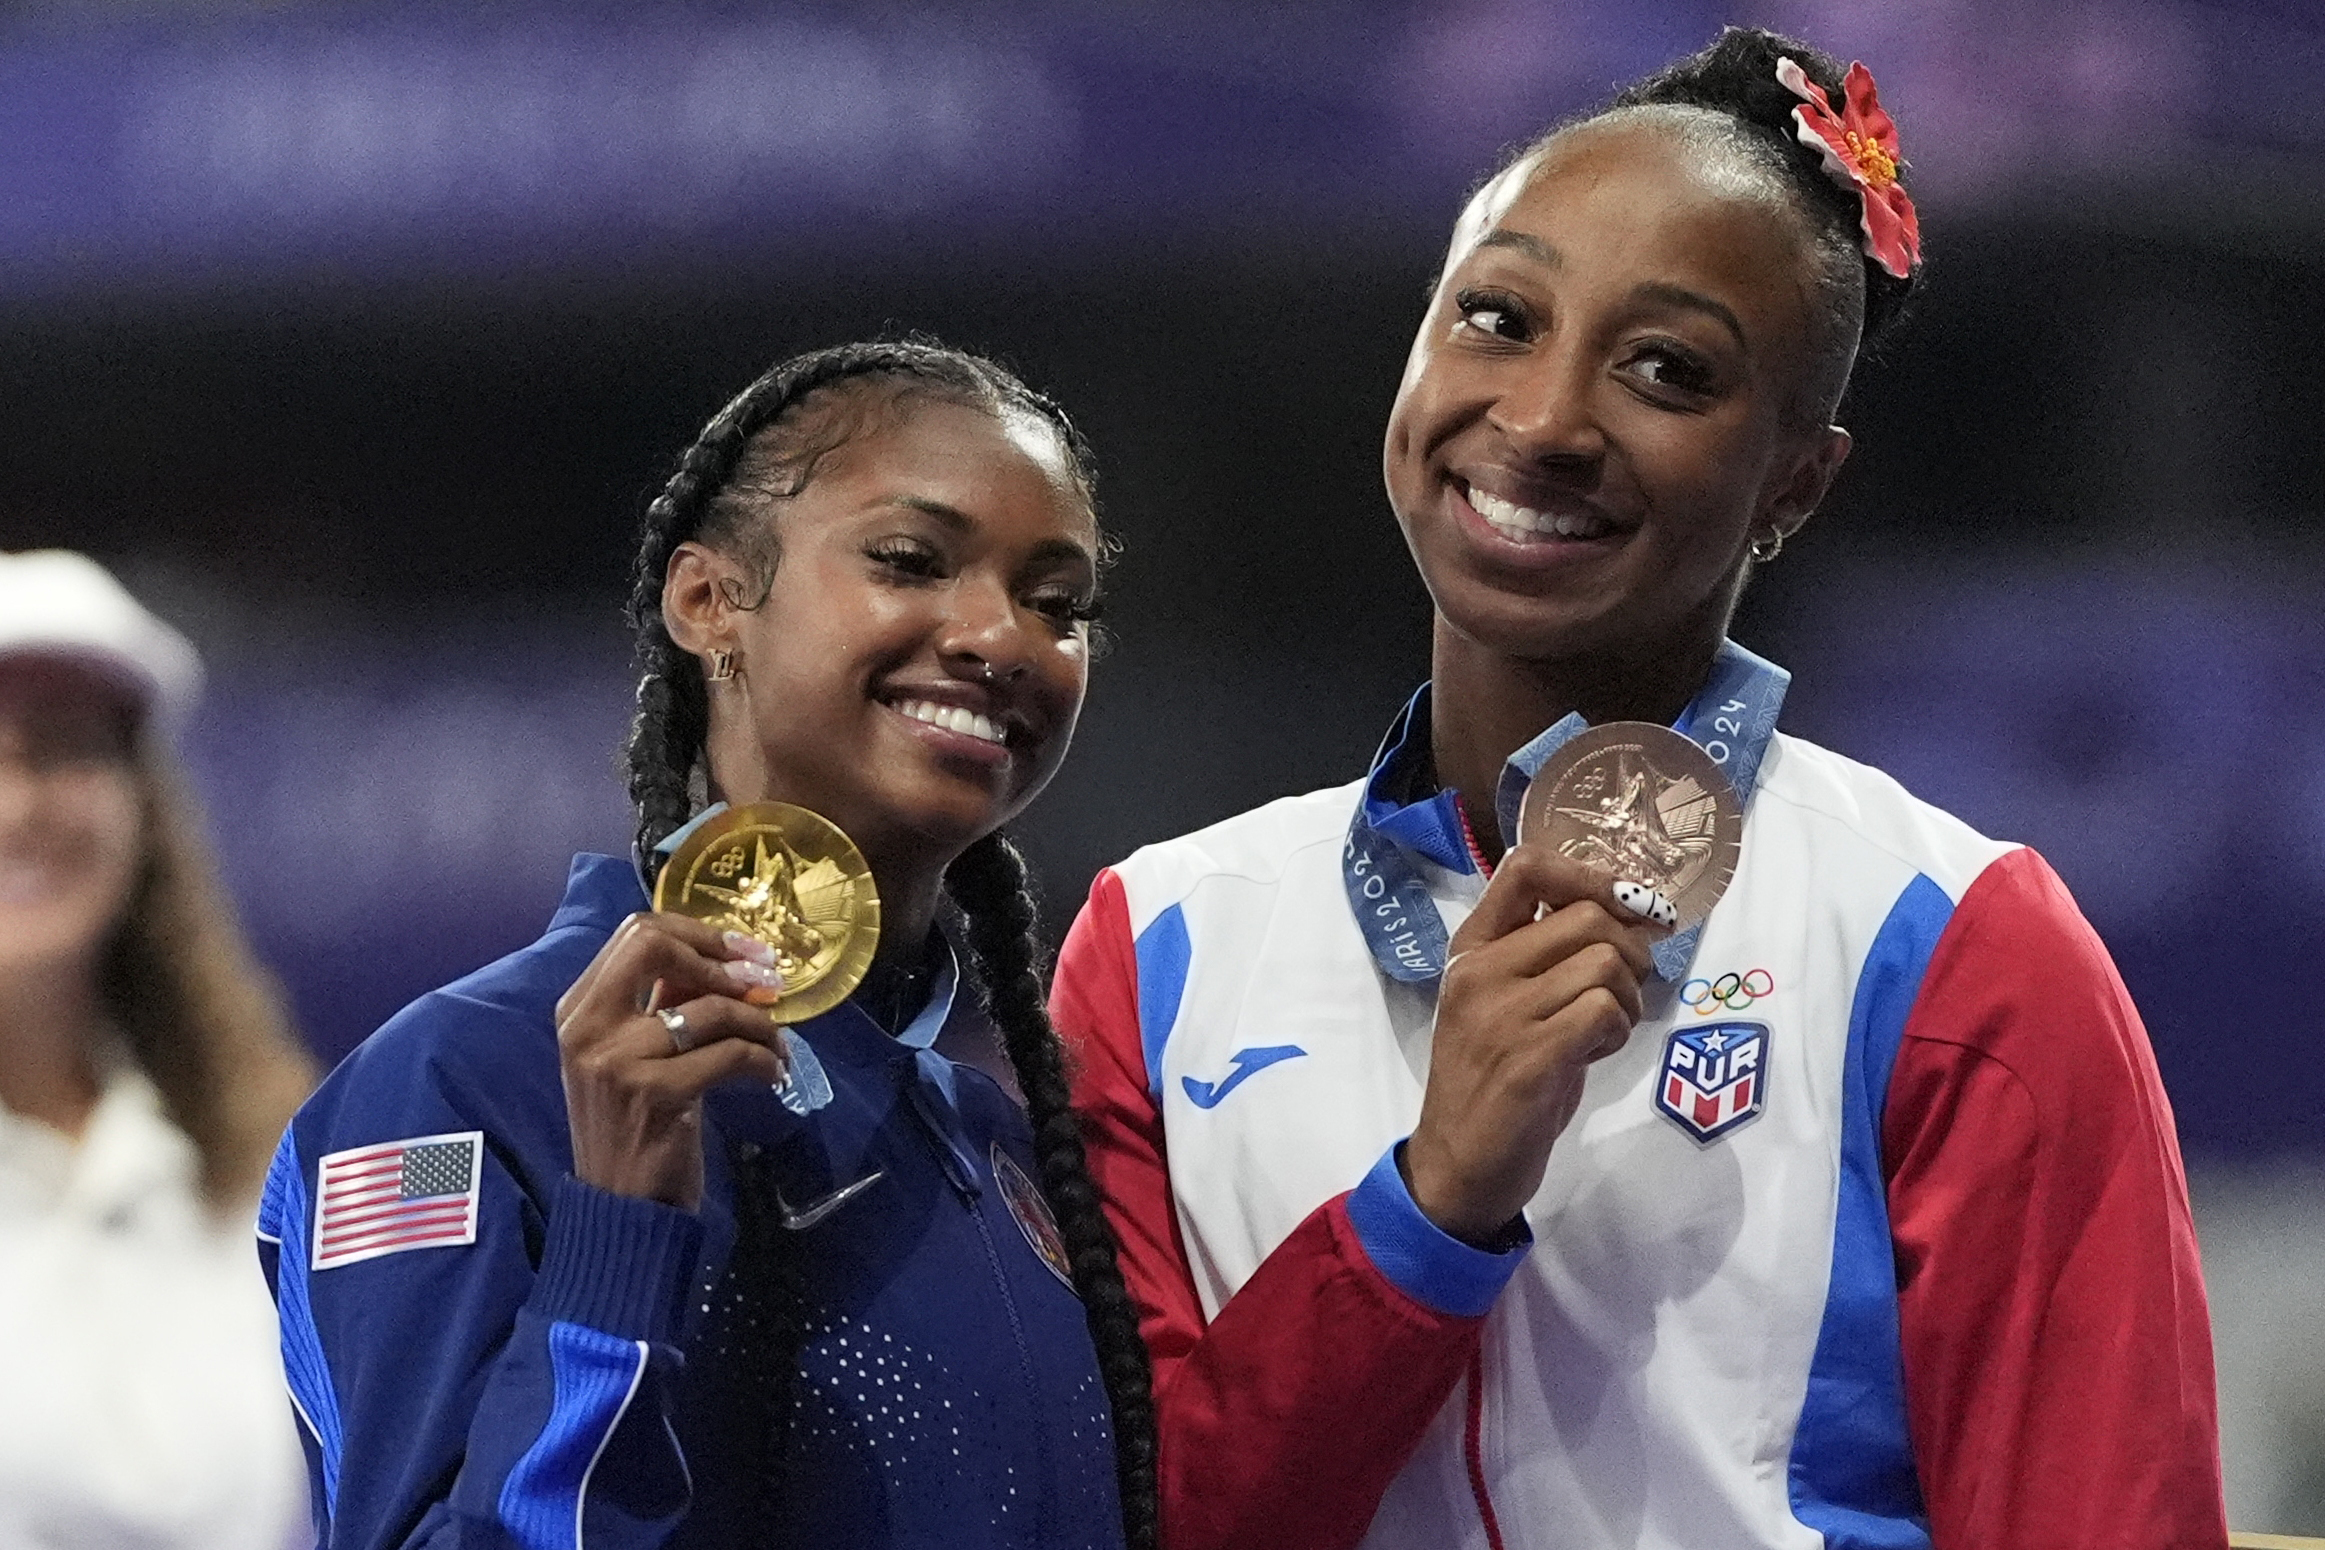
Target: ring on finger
x,y
675,1021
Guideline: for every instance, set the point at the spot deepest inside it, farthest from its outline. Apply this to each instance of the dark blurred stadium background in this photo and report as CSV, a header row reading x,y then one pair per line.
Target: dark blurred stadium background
x,y
355,335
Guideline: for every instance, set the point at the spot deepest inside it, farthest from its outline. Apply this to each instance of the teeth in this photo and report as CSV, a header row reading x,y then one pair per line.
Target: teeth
x,y
1522,523
953,718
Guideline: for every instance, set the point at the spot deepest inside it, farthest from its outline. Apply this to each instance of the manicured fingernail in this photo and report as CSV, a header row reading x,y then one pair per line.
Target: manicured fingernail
x,y
752,976
1646,903
743,945
761,996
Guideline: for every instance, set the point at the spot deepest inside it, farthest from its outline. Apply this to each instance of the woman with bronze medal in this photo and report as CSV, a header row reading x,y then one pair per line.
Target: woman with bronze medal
x,y
1611,1122
717,1222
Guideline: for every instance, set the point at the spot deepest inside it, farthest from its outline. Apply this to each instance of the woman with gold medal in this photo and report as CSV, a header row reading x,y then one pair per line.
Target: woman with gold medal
x,y
758,1216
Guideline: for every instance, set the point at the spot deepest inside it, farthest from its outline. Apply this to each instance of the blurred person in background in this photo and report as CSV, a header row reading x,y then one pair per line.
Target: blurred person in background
x,y
146,1066
1412,1219
583,1245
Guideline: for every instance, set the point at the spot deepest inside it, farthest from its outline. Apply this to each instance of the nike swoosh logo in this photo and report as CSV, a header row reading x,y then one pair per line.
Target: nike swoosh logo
x,y
799,1219
1245,1063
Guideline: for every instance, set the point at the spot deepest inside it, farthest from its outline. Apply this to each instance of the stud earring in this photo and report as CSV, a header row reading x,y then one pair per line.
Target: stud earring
x,y
1766,547
722,667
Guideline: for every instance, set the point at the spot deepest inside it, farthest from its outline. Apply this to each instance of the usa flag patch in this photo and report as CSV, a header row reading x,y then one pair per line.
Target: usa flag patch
x,y
398,1195
1714,1079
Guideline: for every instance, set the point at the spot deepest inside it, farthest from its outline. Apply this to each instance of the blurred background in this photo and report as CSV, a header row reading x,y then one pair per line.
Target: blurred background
x,y
354,336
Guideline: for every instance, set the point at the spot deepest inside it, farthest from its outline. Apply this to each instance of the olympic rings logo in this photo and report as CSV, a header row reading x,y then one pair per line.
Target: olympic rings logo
x,y
1730,992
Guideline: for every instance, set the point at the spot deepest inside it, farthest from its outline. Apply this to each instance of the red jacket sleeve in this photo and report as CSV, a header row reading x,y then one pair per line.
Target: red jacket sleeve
x,y
2058,1357
1254,1445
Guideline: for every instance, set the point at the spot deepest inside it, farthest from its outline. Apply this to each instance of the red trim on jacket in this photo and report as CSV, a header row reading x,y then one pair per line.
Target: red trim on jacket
x,y
1255,1445
2058,1358
2056,1347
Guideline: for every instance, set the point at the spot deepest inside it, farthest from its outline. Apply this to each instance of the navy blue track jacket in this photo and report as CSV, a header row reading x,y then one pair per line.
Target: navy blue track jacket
x,y
485,1351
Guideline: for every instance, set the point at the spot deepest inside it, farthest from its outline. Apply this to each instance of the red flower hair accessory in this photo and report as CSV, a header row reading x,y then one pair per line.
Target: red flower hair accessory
x,y
1859,147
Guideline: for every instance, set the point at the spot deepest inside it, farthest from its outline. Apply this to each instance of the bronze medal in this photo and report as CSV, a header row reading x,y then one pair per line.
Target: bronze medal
x,y
795,881
1642,803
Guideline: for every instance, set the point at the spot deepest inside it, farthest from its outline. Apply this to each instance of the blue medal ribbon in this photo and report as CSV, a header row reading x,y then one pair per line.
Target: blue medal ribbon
x,y
1385,890
1732,719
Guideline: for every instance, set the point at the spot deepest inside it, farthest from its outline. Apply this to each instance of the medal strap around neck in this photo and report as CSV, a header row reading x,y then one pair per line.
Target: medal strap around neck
x,y
1732,719
1386,892
670,843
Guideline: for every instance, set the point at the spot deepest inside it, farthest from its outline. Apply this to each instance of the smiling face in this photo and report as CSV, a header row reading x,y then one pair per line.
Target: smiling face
x,y
70,826
917,665
1601,411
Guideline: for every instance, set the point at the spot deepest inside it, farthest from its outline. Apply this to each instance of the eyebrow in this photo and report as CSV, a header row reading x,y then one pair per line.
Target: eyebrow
x,y
961,522
1050,549
949,516
1694,301
1525,242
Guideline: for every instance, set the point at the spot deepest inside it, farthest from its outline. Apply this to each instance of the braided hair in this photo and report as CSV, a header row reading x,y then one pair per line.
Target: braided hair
x,y
1744,108
757,451
1002,941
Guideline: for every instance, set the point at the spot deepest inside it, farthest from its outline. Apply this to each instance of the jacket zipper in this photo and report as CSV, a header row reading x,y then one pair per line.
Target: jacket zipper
x,y
1041,1450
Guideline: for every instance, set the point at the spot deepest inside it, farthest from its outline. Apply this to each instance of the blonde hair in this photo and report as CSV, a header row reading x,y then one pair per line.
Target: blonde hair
x,y
203,1021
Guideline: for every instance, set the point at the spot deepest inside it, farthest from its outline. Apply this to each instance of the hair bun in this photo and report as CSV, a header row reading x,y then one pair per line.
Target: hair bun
x,y
1737,76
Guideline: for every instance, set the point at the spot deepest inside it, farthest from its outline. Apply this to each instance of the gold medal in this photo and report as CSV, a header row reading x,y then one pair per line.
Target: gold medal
x,y
795,881
1643,804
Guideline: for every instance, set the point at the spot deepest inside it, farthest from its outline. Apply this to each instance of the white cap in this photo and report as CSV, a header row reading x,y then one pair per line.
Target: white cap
x,y
54,603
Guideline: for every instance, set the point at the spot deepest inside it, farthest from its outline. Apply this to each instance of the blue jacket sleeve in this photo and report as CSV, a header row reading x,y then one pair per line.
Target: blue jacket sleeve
x,y
515,1390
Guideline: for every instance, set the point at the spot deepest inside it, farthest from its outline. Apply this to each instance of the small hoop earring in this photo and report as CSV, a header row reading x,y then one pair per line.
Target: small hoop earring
x,y
1767,547
722,667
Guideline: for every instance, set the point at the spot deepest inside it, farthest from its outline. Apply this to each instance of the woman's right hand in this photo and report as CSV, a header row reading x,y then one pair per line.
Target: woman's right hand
x,y
1542,979
668,1009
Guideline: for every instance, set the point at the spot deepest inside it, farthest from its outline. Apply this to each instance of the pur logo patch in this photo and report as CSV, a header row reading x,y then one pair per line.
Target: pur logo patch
x,y
1714,1079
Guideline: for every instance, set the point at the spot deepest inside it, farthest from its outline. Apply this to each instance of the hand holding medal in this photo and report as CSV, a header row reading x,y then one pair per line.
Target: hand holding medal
x,y
1646,807
791,880
766,915
1627,833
